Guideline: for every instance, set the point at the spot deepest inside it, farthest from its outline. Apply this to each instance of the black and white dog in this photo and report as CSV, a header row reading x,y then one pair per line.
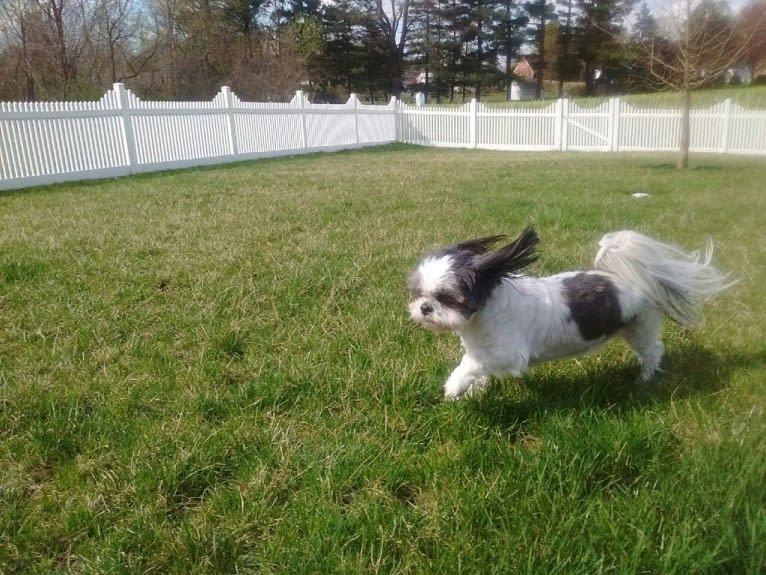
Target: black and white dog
x,y
508,321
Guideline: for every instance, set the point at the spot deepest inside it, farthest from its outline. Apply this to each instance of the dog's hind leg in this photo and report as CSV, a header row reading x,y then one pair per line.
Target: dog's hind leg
x,y
643,336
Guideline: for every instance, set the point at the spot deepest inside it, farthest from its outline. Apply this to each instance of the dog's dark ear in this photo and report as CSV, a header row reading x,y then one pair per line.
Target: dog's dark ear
x,y
480,245
487,270
510,258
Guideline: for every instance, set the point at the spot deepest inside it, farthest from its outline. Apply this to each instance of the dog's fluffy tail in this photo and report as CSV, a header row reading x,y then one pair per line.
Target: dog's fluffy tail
x,y
675,280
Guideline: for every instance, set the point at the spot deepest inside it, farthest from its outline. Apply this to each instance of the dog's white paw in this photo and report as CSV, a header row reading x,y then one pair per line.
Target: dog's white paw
x,y
452,392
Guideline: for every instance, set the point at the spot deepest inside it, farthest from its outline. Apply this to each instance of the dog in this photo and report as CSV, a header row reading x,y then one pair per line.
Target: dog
x,y
508,321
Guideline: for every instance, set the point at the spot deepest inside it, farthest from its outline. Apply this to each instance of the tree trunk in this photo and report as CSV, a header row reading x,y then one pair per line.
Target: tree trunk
x,y
684,130
541,64
29,81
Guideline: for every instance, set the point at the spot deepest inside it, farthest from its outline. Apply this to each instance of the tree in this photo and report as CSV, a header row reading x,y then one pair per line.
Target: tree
x,y
390,30
453,17
17,21
481,49
342,55
751,32
599,30
644,31
309,45
242,15
540,14
123,38
456,18
58,49
510,24
567,61
698,46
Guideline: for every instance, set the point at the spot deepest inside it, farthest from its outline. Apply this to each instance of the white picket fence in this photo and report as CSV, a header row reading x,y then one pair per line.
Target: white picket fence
x,y
43,143
613,125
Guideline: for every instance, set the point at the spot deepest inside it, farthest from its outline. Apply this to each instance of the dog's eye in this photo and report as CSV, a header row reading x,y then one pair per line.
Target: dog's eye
x,y
446,299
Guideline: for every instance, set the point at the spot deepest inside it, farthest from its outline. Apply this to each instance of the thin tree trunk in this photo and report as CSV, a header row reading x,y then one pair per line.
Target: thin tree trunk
x,y
684,131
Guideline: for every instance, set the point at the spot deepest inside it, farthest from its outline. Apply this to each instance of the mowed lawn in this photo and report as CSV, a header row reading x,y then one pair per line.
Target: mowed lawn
x,y
213,371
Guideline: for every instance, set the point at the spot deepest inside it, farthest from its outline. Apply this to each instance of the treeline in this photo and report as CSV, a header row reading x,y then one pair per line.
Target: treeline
x,y
267,49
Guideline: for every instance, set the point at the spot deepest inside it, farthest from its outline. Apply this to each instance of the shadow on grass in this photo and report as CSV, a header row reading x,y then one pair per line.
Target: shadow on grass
x,y
690,369
694,167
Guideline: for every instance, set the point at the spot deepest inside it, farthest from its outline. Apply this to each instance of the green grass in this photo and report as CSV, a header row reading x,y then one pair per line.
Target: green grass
x,y
750,97
213,371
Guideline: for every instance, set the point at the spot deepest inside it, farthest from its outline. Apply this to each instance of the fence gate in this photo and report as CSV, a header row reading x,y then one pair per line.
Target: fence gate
x,y
590,128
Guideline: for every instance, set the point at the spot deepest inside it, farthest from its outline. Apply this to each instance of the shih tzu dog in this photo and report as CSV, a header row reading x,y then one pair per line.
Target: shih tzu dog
x,y
508,321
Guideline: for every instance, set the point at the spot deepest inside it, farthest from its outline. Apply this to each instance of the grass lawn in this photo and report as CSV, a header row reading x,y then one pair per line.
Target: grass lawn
x,y
749,97
213,371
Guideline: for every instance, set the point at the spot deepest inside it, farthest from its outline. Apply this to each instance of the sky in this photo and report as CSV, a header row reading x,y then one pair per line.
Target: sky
x,y
736,5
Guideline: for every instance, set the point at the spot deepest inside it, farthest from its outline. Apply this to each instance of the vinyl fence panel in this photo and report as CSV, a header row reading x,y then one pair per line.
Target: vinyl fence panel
x,y
40,139
437,125
745,131
648,129
522,129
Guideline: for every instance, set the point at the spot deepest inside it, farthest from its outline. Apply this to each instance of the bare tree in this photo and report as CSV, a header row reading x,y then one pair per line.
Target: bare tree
x,y
123,37
392,18
66,31
59,49
15,22
698,46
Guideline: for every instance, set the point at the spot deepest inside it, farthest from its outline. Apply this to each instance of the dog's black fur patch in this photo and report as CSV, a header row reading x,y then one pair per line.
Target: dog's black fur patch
x,y
484,270
594,304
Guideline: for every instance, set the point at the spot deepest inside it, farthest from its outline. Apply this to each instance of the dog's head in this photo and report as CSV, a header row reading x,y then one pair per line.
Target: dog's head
x,y
451,284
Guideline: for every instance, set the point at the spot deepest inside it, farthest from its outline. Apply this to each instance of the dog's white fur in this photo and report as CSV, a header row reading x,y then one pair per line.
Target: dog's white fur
x,y
525,320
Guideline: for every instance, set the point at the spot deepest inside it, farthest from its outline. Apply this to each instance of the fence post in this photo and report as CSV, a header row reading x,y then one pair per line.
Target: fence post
x,y
302,112
229,103
614,124
355,102
394,105
726,124
472,122
128,138
564,119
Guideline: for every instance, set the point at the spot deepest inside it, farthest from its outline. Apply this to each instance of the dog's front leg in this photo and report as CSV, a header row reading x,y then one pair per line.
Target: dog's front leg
x,y
467,375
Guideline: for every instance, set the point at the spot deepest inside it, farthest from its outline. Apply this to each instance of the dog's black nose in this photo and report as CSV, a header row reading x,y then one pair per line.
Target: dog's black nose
x,y
426,308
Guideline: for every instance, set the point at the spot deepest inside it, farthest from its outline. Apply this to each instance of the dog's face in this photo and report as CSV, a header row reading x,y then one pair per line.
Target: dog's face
x,y
441,291
450,285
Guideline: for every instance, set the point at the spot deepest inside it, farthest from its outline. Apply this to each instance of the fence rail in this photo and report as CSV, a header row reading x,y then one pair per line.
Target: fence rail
x,y
43,143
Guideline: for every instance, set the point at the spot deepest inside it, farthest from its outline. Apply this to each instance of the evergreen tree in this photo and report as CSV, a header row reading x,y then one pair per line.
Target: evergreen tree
x,y
540,14
643,33
480,48
510,33
568,66
599,27
343,56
